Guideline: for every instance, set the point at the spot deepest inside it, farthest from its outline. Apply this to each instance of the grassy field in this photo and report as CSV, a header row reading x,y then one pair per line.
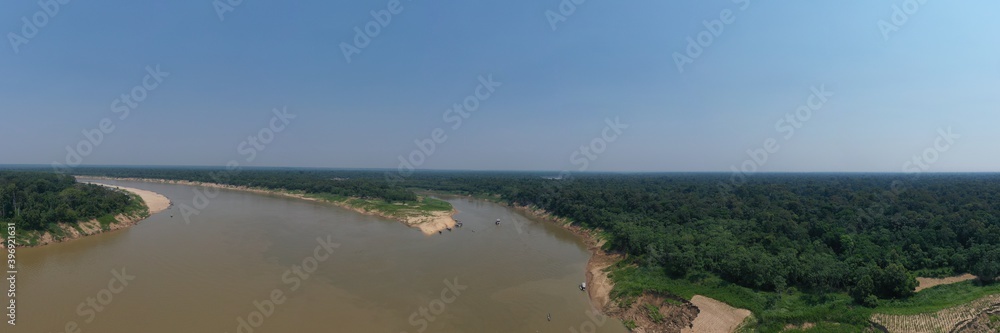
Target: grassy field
x,y
324,196
423,204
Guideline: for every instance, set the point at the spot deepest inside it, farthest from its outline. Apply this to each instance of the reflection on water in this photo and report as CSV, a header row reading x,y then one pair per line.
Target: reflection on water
x,y
257,263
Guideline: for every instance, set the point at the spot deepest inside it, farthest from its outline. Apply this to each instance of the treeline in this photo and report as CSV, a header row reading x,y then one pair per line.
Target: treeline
x,y
39,200
867,234
360,184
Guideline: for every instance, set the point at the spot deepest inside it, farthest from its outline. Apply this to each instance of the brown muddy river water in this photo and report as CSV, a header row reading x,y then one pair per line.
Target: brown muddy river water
x,y
255,263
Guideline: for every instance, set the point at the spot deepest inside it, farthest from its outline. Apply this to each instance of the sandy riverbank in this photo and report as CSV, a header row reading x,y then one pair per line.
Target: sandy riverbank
x,y
153,201
434,222
428,223
599,284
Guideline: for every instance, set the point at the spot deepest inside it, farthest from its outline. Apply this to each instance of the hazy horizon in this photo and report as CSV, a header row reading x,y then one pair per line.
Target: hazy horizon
x,y
267,167
540,82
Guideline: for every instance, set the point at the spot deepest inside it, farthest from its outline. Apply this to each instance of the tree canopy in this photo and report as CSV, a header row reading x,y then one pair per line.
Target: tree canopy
x,y
39,200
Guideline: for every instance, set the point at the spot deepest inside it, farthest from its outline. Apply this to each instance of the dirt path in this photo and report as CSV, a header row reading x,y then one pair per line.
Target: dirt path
x,y
599,285
924,283
715,316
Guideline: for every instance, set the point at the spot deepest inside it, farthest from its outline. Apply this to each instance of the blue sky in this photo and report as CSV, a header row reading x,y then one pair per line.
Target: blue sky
x,y
606,60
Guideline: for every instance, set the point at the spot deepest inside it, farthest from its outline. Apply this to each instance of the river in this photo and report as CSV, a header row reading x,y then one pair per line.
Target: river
x,y
258,263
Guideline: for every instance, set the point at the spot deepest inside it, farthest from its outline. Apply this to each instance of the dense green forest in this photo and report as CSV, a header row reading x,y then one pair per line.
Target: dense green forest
x,y
862,238
36,201
866,234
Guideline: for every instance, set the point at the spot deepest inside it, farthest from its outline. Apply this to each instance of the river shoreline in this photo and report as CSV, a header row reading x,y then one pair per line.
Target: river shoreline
x,y
710,315
599,285
429,224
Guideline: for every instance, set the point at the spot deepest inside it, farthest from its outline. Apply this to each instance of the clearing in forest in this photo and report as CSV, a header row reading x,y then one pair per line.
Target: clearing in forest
x,y
715,316
924,283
